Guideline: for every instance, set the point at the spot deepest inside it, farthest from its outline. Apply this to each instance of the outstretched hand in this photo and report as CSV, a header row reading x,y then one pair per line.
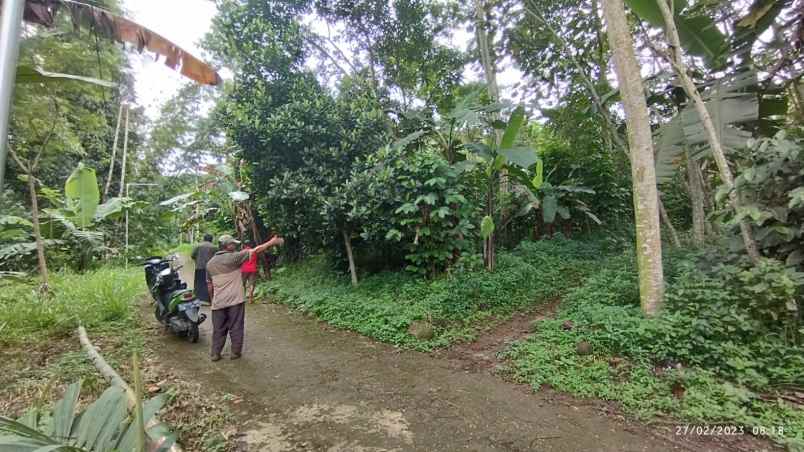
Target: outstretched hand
x,y
275,241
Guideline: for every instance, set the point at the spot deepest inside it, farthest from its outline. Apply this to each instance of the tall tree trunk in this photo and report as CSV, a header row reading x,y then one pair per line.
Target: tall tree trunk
x,y
643,174
114,152
484,47
125,155
347,242
666,220
40,244
696,193
712,228
488,59
489,243
677,61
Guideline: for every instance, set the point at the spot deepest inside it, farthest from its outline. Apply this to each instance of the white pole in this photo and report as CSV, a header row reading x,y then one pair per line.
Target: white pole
x,y
125,154
10,28
126,248
114,152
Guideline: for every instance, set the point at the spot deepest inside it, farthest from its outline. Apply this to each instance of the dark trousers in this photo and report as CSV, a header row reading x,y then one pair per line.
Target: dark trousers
x,y
228,321
200,287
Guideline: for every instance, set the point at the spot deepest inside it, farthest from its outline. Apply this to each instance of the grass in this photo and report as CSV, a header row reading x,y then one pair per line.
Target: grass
x,y
458,304
104,299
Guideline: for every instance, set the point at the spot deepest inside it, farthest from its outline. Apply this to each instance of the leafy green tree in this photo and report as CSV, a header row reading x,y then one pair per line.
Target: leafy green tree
x,y
413,198
187,134
770,182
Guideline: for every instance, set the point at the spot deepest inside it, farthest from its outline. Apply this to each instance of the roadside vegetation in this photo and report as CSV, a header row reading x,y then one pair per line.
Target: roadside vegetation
x,y
442,311
41,353
724,351
655,204
707,359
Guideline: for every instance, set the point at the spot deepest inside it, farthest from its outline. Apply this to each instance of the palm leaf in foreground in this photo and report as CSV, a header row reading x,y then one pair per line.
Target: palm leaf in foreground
x,y
106,424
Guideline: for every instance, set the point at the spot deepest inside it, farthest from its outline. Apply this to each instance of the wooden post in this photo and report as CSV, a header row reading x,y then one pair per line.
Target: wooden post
x,y
114,152
125,155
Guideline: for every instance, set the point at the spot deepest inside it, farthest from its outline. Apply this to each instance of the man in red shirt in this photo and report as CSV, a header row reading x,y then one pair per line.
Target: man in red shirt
x,y
249,272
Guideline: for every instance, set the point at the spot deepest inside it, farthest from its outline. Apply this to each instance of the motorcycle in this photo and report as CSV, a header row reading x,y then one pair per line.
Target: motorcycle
x,y
175,305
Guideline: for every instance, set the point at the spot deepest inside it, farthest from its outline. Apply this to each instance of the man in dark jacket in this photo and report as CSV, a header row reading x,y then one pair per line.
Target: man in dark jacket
x,y
201,255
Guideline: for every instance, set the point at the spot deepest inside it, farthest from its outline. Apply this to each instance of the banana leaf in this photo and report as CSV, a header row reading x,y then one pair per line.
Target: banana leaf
x,y
728,108
515,122
104,425
698,34
82,194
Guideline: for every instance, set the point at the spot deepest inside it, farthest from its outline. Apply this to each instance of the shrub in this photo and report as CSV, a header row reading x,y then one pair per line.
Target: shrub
x,y
413,204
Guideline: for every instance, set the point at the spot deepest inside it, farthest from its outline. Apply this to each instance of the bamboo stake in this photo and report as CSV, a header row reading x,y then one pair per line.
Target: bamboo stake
x,y
125,155
114,152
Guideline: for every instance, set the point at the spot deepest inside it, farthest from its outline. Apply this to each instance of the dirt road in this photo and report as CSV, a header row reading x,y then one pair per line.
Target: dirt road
x,y
306,386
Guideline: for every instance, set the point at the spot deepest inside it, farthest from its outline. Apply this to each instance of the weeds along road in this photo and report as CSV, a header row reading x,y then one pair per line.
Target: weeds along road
x,y
306,386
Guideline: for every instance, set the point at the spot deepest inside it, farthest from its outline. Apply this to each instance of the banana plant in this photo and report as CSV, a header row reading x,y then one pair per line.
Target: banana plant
x,y
106,424
73,219
699,34
731,106
552,202
497,158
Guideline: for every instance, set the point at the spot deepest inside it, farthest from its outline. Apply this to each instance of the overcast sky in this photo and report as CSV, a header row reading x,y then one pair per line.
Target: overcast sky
x,y
182,21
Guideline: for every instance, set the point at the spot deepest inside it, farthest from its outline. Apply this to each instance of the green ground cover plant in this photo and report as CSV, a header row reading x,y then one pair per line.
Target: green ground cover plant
x,y
724,350
384,305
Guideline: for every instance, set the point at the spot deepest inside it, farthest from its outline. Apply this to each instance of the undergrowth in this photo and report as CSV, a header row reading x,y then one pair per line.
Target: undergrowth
x,y
714,355
384,305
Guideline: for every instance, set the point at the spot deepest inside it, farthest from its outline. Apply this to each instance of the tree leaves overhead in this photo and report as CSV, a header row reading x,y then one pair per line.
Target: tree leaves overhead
x,y
44,12
699,35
